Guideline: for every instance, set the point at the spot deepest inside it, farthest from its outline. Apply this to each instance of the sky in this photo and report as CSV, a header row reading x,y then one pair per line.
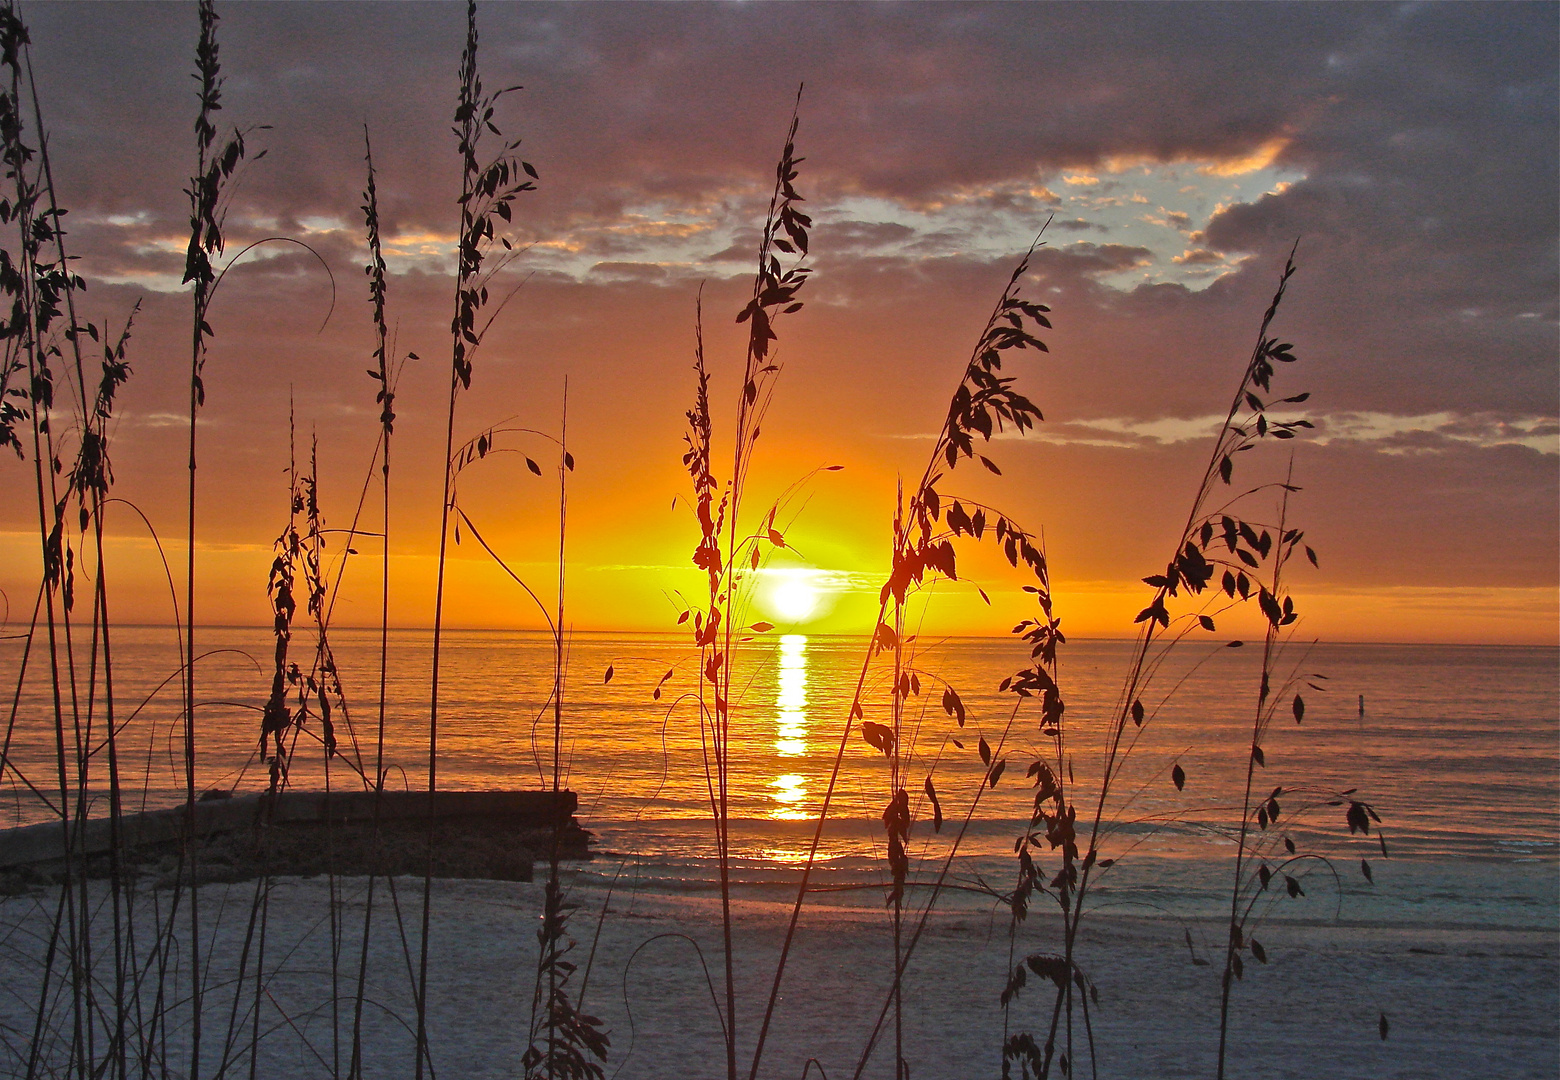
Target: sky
x,y
1178,151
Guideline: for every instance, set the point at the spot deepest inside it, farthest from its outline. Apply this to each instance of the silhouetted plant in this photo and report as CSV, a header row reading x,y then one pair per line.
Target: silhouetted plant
x,y
42,285
385,376
1250,885
214,166
14,399
562,1038
276,718
724,552
983,404
488,190
91,479
1247,546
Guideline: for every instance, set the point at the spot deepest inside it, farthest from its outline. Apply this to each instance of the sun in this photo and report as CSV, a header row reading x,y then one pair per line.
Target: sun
x,y
793,599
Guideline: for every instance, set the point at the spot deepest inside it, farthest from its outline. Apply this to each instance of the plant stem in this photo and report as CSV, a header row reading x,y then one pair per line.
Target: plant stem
x,y
1258,724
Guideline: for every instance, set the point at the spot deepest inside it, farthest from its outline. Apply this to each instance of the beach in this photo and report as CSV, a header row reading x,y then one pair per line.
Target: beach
x,y
1459,1002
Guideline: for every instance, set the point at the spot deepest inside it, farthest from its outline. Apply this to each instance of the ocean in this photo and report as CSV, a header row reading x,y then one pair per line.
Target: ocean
x,y
1457,748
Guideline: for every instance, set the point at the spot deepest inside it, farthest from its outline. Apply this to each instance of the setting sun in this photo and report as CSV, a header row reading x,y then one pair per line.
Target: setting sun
x,y
793,598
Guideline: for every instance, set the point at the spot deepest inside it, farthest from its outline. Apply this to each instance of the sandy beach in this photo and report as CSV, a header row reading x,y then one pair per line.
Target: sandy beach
x,y
1459,1002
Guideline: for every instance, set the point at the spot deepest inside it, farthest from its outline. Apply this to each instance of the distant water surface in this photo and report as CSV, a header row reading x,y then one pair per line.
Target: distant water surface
x,y
1456,749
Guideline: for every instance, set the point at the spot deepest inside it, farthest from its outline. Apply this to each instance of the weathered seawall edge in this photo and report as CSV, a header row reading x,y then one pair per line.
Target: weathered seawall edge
x,y
503,810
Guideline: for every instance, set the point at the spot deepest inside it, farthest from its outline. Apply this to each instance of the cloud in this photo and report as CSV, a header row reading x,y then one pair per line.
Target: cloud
x,y
637,272
1432,122
866,235
1259,158
1198,257
1088,258
1078,225
1383,432
1438,431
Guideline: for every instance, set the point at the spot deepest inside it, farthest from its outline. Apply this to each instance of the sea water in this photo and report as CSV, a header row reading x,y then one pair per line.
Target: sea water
x,y
1453,747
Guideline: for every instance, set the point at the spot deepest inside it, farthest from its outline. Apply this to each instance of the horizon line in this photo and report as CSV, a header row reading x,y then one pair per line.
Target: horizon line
x,y
821,634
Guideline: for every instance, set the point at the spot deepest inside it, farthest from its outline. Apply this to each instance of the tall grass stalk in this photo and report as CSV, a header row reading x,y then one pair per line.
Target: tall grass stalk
x,y
565,465
43,287
276,723
488,188
924,551
89,482
384,397
562,1038
725,552
565,1043
1189,572
896,814
1234,939
1272,824
215,164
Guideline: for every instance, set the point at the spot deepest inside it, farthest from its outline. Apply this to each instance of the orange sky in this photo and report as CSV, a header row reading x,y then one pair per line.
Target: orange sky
x,y
1427,339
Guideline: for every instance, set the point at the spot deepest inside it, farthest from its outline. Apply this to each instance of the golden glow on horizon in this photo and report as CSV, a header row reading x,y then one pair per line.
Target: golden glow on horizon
x,y
613,598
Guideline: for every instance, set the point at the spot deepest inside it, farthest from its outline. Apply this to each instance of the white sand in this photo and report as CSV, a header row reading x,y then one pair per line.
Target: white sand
x,y
1481,1003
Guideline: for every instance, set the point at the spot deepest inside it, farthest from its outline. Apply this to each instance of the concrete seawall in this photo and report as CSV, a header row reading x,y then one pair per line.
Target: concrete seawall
x,y
297,812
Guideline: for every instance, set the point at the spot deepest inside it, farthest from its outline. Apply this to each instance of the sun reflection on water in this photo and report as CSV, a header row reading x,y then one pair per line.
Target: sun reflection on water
x,y
790,726
791,698
789,790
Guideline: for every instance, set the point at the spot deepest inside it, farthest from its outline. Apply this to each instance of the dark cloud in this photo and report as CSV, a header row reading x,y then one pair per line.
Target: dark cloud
x,y
1077,225
1084,257
1427,132
630,271
865,235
